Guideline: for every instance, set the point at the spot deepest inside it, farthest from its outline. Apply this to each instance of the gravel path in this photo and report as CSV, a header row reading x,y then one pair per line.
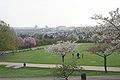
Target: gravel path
x,y
18,65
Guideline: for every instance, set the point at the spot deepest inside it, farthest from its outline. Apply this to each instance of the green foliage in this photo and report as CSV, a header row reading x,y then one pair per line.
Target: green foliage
x,y
47,40
72,37
7,38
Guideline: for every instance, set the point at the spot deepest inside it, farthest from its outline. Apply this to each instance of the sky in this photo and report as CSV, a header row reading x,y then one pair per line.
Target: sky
x,y
53,13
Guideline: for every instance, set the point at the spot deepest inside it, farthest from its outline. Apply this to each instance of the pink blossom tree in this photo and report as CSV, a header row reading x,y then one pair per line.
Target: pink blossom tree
x,y
20,42
29,42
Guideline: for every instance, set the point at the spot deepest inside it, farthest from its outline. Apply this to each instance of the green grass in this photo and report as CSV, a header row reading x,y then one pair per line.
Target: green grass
x,y
41,56
38,72
38,56
24,72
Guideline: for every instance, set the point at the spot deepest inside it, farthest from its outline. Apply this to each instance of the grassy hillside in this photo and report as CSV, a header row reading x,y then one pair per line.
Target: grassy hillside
x,y
42,56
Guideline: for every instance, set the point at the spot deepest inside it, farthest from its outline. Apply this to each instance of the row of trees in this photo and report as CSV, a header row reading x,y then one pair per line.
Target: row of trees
x,y
49,39
84,33
26,42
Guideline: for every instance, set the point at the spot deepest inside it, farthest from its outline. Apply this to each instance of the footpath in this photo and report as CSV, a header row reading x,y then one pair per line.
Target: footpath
x,y
18,65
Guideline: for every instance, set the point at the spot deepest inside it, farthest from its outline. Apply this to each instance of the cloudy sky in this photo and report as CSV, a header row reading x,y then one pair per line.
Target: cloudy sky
x,y
28,13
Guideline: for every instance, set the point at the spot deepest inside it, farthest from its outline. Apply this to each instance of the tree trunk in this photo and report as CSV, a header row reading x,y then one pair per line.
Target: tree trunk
x,y
105,63
82,55
63,58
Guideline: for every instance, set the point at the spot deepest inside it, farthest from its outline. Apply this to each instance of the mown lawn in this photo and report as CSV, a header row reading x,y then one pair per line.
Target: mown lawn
x,y
38,72
42,56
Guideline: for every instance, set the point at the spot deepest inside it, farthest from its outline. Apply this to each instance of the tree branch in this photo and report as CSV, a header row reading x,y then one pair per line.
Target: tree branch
x,y
112,24
99,55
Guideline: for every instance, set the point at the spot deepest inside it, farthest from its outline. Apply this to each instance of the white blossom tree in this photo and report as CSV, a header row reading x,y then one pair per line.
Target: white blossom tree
x,y
103,50
62,48
108,35
110,27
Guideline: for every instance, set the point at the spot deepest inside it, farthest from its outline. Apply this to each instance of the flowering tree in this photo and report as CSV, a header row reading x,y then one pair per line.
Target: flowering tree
x,y
29,42
103,50
110,27
20,42
108,35
62,48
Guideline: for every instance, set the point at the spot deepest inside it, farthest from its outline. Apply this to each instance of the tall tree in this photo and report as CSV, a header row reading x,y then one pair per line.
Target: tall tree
x,y
108,35
103,50
7,38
